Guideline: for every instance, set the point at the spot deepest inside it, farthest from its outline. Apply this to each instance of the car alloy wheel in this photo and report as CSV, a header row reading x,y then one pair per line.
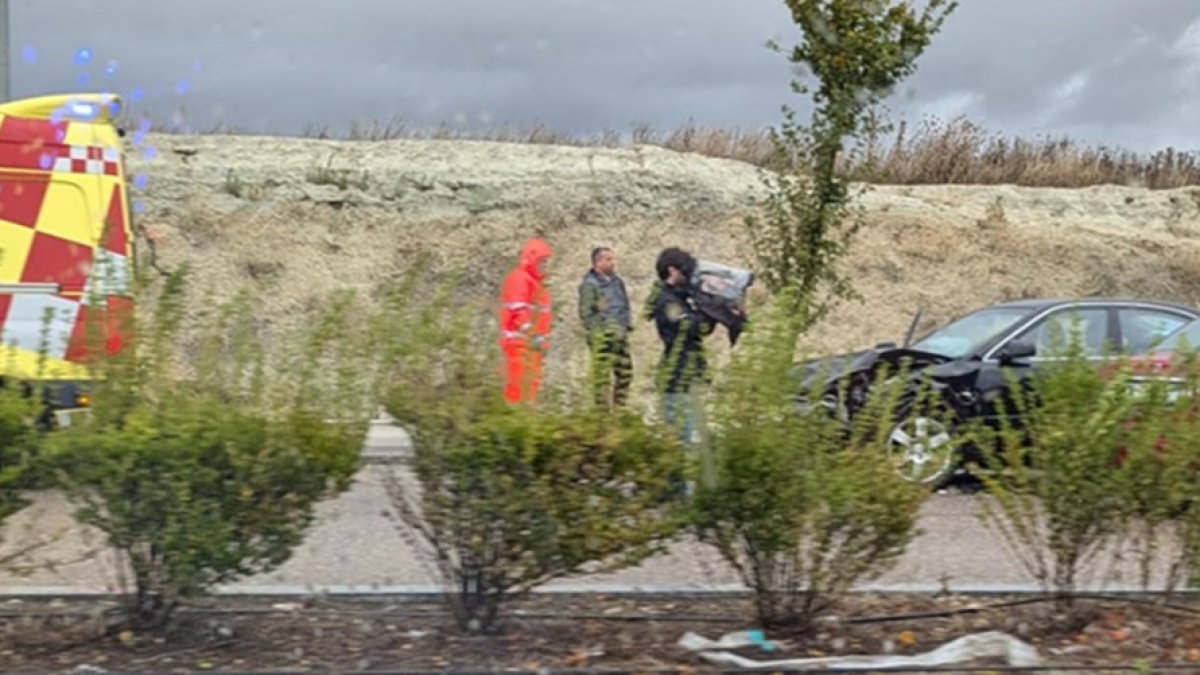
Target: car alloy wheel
x,y
922,449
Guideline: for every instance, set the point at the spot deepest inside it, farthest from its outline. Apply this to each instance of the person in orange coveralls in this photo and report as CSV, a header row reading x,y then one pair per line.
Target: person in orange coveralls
x,y
525,322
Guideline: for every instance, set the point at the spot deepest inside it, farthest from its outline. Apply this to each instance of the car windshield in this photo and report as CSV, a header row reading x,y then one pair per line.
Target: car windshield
x,y
971,332
1188,336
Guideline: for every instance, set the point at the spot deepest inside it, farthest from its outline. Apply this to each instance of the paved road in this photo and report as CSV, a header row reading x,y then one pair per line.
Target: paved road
x,y
355,545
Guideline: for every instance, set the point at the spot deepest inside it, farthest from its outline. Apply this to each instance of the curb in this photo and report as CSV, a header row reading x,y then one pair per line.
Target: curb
x,y
384,458
387,454
419,592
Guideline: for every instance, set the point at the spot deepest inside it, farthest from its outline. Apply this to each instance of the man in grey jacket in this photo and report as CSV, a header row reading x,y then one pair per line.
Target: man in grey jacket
x,y
606,315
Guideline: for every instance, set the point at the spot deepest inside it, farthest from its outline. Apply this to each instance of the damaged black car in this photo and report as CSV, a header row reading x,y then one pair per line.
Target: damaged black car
x,y
970,363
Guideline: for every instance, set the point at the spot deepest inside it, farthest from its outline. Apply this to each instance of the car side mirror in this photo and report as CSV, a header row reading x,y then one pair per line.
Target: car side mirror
x,y
1017,349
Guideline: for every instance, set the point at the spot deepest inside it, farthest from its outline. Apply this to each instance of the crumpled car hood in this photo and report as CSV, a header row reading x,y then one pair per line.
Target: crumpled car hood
x,y
834,367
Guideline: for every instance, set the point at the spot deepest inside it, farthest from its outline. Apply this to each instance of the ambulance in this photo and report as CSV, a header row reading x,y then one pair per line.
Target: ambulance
x,y
66,247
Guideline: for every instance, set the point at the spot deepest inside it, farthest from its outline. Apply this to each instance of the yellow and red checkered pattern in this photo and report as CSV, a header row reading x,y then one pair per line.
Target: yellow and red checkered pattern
x,y
63,220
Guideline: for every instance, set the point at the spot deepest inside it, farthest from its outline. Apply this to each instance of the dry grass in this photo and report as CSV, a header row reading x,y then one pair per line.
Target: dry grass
x,y
962,152
932,152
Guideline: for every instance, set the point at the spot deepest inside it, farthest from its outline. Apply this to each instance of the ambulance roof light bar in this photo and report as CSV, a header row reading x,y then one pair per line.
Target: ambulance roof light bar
x,y
75,107
88,111
81,110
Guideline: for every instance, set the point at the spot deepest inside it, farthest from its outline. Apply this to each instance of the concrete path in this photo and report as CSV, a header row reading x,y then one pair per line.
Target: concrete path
x,y
358,546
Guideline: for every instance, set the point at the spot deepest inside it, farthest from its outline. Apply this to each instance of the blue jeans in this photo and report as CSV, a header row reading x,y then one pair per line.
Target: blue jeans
x,y
679,411
685,412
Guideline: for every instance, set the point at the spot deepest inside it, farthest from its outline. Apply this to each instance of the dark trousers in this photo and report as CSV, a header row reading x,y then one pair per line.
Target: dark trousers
x,y
612,369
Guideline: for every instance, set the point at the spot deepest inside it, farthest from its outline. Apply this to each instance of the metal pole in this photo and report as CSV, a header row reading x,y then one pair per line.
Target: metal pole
x,y
5,95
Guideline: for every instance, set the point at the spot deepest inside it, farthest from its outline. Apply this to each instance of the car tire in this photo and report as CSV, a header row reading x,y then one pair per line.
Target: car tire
x,y
921,445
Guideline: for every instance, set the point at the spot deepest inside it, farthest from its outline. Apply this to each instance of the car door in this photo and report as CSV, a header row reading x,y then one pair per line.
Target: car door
x,y
1051,335
1140,327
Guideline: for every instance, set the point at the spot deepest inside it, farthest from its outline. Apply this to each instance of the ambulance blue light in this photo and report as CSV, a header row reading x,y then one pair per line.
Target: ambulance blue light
x,y
82,111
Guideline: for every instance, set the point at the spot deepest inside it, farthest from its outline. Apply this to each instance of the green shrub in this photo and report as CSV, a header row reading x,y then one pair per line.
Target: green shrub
x,y
504,498
203,460
1055,491
801,505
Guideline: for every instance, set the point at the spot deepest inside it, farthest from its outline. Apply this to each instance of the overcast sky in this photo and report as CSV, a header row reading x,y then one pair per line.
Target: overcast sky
x,y
1124,72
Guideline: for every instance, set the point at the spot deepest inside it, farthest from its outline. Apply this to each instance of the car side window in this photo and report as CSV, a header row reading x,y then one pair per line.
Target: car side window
x,y
1053,334
1142,327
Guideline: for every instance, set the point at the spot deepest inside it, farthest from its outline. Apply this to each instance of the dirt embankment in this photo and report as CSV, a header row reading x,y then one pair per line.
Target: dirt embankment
x,y
296,218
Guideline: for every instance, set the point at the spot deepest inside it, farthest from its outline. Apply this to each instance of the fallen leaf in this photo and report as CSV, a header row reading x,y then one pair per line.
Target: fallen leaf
x,y
576,658
1193,655
125,636
907,638
1120,635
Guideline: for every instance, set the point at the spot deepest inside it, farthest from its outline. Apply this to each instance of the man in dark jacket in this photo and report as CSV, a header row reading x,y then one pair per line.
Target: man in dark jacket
x,y
682,328
606,316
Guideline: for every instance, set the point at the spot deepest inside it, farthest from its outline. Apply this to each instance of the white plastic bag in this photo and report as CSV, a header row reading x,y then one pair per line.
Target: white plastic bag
x,y
990,644
741,638
723,281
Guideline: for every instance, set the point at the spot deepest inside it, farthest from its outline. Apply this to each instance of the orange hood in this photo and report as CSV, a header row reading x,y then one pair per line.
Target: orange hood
x,y
534,251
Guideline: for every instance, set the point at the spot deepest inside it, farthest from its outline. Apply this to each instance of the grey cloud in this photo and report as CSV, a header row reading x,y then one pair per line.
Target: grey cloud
x,y
590,65
1017,53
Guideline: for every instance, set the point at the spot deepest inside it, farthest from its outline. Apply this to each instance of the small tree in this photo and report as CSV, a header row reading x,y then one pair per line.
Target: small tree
x,y
504,498
801,505
1055,491
203,461
857,50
